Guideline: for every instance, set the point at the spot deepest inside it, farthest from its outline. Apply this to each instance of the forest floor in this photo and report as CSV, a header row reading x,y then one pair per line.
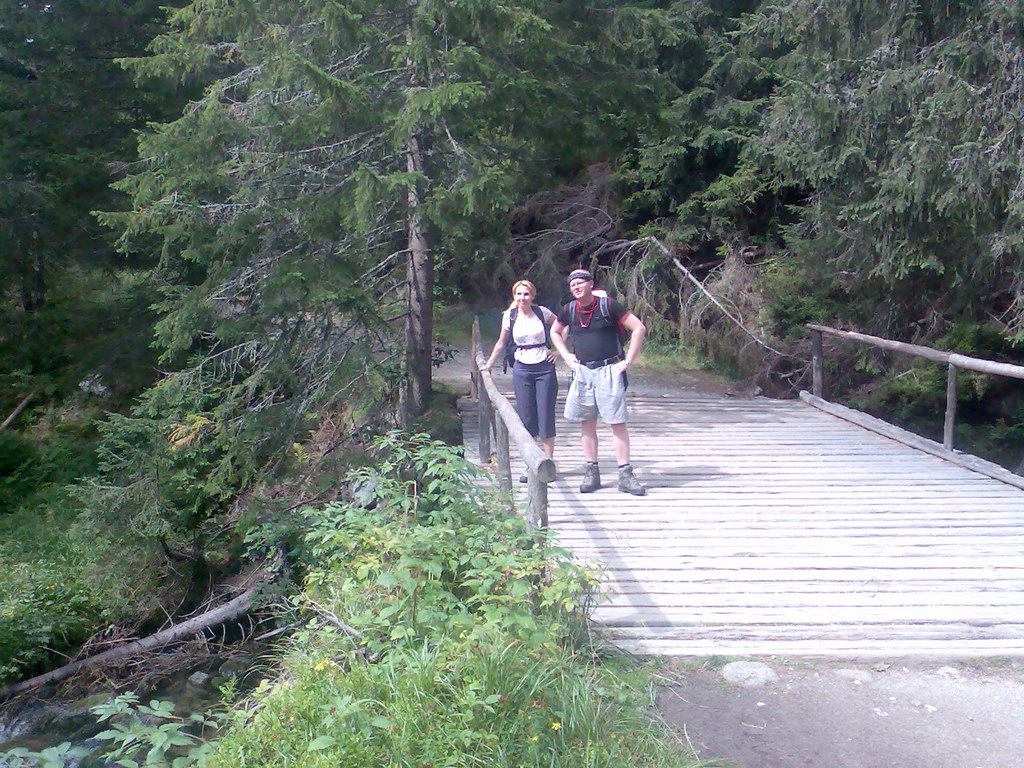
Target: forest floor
x,y
830,713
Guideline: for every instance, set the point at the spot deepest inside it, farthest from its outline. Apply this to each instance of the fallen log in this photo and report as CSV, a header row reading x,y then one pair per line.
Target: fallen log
x,y
21,407
230,610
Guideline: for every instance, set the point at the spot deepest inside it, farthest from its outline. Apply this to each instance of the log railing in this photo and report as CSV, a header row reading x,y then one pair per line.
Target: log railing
x,y
953,362
498,417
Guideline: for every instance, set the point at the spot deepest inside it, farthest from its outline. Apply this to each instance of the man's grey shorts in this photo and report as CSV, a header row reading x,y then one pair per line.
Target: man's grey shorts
x,y
597,392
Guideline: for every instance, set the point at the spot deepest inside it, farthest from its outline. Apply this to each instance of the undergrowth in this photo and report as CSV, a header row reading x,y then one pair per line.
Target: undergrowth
x,y
430,630
61,583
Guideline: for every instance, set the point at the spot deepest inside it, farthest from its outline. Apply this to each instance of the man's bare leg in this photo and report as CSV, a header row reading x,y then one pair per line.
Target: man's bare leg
x,y
620,439
588,434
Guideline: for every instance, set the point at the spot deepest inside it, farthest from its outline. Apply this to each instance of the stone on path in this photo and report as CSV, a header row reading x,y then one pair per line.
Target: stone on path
x,y
857,675
749,674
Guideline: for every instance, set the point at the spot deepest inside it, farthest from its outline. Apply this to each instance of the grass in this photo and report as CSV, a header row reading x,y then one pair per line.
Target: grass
x,y
668,357
61,583
493,703
468,622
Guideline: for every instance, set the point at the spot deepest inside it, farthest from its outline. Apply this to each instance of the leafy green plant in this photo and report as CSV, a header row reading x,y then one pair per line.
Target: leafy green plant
x,y
153,736
62,582
50,757
429,559
488,701
140,736
469,623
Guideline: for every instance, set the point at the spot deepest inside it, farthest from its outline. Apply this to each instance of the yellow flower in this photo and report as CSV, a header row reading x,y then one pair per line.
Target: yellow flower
x,y
534,738
556,726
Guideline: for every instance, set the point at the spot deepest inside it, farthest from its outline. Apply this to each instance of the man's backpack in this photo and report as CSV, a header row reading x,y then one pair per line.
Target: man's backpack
x,y
511,347
603,311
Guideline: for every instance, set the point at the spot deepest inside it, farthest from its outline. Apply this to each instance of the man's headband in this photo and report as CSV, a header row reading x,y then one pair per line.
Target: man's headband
x,y
580,274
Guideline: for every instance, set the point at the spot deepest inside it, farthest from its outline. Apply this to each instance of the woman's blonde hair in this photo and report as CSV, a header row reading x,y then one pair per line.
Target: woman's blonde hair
x,y
529,286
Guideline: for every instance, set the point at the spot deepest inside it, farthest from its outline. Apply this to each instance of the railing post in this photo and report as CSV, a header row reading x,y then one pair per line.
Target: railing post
x,y
948,427
536,502
817,366
504,462
474,369
484,421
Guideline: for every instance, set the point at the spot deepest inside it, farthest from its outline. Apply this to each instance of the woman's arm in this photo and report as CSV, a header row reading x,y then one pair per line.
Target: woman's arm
x,y
549,319
499,347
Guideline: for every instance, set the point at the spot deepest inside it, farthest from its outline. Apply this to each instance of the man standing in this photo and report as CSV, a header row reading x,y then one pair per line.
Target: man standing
x,y
599,366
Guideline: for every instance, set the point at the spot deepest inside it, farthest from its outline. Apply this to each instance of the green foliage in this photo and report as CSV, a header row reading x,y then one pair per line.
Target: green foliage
x,y
88,346
898,123
153,736
51,757
57,60
461,651
40,610
140,735
468,620
688,166
34,469
63,581
17,457
494,702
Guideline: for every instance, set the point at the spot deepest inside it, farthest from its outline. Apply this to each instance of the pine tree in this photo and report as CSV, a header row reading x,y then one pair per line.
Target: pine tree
x,y
333,140
899,125
67,112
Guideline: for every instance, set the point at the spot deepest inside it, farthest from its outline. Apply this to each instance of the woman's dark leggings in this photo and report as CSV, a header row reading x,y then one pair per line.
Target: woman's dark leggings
x,y
536,388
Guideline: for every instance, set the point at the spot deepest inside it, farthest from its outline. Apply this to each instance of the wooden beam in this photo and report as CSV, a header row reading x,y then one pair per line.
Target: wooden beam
x,y
501,451
935,355
972,463
817,364
917,350
987,366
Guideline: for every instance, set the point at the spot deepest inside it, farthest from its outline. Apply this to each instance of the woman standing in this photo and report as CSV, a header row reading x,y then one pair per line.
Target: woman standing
x,y
533,373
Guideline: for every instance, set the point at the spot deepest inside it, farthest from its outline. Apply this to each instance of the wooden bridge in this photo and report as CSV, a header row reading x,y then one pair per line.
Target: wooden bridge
x,y
773,527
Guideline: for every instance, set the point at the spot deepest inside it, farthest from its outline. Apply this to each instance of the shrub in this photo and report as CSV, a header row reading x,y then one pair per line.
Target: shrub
x,y
470,623
61,583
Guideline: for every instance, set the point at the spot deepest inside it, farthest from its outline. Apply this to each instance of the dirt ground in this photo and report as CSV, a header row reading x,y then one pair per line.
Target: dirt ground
x,y
842,714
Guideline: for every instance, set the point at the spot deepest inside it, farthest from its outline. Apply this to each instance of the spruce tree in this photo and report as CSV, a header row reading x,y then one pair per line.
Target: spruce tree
x,y
67,112
335,140
898,123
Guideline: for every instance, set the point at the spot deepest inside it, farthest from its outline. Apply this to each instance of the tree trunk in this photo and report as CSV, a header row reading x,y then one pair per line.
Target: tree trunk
x,y
33,282
419,321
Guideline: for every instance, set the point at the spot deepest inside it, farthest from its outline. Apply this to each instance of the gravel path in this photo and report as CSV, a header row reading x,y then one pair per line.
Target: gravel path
x,y
831,714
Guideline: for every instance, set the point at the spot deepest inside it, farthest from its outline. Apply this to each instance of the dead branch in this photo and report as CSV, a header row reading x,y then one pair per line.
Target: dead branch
x,y
17,411
230,610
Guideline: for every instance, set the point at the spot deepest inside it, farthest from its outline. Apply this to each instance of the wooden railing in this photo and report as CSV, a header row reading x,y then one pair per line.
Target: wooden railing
x,y
498,417
952,360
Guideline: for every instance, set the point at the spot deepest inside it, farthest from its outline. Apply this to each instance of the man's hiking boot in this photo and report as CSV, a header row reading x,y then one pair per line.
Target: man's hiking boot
x,y
628,483
591,479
